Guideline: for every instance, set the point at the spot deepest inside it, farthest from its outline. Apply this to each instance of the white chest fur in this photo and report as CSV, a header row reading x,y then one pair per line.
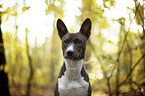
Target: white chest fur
x,y
72,83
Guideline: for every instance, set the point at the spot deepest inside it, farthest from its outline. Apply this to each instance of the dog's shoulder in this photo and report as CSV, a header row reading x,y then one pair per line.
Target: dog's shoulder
x,y
84,74
86,78
62,70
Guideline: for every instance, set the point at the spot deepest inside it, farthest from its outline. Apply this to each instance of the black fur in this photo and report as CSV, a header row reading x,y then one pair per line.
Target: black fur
x,y
79,41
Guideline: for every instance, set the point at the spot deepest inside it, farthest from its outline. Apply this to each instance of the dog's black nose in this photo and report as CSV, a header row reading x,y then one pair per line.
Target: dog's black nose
x,y
70,53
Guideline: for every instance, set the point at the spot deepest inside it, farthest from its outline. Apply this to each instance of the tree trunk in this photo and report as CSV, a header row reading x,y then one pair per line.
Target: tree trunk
x,y
121,21
143,39
30,67
140,18
4,87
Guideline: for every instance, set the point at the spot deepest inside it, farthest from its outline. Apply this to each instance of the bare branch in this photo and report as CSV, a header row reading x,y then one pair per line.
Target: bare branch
x,y
104,72
132,69
127,33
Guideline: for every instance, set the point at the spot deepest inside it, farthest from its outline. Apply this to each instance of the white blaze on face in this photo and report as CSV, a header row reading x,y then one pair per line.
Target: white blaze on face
x,y
70,48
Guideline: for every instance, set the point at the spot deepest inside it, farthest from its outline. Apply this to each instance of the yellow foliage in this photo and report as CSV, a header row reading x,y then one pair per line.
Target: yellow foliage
x,y
125,88
6,68
11,11
142,81
45,69
1,6
25,8
38,72
59,0
101,58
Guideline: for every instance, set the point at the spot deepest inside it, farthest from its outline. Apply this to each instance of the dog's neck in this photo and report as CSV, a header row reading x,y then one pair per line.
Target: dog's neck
x,y
73,69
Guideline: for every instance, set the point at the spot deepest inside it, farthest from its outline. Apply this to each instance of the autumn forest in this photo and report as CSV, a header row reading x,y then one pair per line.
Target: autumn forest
x,y
31,54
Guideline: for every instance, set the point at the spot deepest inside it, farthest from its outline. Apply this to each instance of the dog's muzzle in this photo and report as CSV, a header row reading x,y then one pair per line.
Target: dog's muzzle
x,y
69,55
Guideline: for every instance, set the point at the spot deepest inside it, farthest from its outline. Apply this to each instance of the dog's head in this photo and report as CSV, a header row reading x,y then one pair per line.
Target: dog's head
x,y
74,44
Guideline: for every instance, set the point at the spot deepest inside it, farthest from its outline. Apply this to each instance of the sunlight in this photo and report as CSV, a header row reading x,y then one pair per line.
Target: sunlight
x,y
109,48
134,27
38,23
8,26
105,32
56,3
92,76
99,2
111,54
100,76
70,11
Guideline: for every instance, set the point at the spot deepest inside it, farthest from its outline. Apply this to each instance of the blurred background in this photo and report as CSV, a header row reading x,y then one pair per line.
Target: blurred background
x,y
30,49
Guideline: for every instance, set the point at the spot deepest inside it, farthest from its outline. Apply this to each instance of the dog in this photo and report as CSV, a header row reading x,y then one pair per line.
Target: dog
x,y
73,80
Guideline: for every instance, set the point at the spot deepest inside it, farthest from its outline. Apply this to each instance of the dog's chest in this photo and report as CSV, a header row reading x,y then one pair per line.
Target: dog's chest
x,y
72,83
72,88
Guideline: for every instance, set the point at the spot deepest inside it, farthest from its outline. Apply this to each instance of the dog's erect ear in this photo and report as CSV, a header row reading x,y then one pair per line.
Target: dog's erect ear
x,y
62,30
86,28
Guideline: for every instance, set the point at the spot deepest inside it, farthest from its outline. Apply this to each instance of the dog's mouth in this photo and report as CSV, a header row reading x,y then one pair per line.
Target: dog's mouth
x,y
70,57
73,57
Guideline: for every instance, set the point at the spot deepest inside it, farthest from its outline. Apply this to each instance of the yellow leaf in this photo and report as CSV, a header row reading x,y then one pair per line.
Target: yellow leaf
x,y
9,10
1,6
59,0
25,8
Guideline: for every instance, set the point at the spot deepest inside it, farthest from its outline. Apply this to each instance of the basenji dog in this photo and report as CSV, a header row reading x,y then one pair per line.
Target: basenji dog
x,y
73,80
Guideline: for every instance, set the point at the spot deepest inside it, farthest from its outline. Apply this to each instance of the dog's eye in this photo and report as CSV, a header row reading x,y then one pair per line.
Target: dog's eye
x,y
78,41
65,41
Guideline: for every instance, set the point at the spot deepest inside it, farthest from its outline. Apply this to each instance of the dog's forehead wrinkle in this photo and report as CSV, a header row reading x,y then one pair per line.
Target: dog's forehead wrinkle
x,y
72,36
